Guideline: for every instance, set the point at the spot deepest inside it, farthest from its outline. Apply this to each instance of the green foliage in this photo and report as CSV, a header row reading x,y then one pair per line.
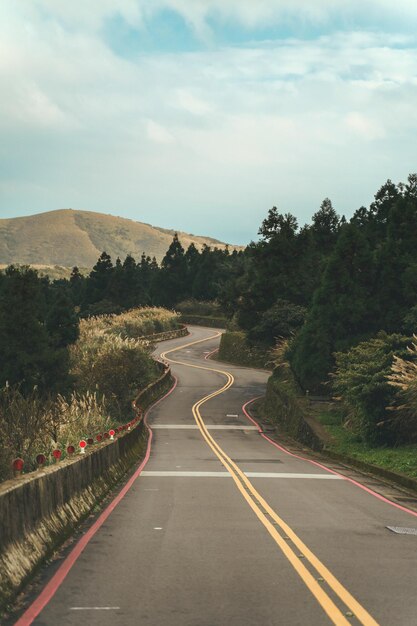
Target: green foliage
x,y
235,348
403,377
341,312
283,319
112,367
361,381
110,360
36,325
401,458
409,325
196,307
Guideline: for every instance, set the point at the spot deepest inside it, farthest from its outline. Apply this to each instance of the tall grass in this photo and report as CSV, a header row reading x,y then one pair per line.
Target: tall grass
x,y
136,323
110,364
403,377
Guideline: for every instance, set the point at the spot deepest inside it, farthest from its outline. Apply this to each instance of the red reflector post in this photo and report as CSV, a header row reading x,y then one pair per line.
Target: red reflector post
x,y
17,466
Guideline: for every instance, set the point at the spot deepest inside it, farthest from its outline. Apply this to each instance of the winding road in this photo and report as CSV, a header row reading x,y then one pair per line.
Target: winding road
x,y
222,527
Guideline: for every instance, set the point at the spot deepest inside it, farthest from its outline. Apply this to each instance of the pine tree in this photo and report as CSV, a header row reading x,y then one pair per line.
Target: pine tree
x,y
100,278
342,311
171,280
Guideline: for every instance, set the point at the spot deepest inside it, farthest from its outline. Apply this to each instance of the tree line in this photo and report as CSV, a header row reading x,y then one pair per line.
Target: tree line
x,y
329,286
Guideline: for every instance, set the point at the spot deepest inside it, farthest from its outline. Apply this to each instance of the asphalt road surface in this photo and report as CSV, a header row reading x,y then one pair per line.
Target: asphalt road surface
x,y
222,528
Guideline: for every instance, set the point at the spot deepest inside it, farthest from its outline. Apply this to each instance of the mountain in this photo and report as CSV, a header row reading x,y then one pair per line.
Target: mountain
x,y
67,237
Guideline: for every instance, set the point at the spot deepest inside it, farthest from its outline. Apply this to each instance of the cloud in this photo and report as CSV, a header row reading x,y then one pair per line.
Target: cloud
x,y
215,135
364,126
158,133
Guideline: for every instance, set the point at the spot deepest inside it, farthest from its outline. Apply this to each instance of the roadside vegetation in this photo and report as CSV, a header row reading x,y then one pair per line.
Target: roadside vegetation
x,y
64,379
340,294
400,458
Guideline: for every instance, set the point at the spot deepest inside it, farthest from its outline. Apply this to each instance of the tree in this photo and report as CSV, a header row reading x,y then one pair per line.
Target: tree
x,y
100,277
31,354
325,227
282,320
61,321
342,310
171,281
361,381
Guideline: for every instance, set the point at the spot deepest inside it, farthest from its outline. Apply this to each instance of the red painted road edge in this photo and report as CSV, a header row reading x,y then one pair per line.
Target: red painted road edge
x,y
327,469
58,578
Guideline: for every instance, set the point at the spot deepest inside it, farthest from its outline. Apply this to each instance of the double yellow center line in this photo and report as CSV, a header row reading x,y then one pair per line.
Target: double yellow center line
x,y
282,534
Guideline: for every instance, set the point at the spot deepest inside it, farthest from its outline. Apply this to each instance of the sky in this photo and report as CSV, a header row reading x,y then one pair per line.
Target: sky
x,y
200,115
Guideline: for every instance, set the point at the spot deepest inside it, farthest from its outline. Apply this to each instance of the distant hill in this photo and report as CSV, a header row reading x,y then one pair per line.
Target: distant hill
x,y
67,237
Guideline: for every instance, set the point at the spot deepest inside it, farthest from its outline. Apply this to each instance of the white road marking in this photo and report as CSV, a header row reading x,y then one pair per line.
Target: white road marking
x,y
290,475
231,415
195,427
195,474
158,528
94,608
186,474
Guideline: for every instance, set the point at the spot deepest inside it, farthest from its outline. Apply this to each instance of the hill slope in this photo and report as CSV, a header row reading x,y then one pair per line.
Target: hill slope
x,y
68,237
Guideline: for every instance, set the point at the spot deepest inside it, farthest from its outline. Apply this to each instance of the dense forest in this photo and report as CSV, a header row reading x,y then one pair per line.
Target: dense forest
x,y
342,292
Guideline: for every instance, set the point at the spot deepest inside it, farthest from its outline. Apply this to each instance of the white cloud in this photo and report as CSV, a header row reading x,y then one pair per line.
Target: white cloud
x,y
364,126
158,133
225,131
191,103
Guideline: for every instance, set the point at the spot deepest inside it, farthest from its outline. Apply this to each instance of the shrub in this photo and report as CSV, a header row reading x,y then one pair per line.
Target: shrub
x,y
403,377
198,307
112,366
235,348
281,320
361,382
31,424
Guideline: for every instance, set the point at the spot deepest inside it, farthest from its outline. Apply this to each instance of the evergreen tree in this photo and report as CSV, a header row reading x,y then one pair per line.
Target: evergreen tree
x,y
29,354
342,311
325,227
61,321
100,277
171,281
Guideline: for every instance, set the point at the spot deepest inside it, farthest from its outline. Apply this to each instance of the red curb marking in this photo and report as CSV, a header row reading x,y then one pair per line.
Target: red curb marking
x,y
351,480
58,578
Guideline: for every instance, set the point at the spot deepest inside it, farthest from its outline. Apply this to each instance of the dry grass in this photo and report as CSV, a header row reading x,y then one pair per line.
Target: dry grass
x,y
110,362
403,376
67,237
136,323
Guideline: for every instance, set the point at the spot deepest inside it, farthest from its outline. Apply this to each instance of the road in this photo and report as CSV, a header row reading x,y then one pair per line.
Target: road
x,y
222,528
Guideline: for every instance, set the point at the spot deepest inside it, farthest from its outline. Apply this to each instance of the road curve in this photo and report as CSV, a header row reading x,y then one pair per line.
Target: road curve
x,y
221,527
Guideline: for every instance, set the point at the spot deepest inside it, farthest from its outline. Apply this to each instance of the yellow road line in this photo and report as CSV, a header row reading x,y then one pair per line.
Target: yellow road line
x,y
254,499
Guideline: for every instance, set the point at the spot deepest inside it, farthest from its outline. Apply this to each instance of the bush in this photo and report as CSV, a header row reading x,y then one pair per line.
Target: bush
x,y
235,348
281,320
133,324
361,382
403,378
31,424
197,307
112,366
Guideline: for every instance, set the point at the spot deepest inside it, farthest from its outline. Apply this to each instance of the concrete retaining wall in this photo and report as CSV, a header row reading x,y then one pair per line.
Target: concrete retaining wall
x,y
204,320
167,334
38,511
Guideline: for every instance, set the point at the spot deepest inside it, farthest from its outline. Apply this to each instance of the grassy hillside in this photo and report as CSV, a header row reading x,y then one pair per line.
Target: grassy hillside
x,y
68,237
